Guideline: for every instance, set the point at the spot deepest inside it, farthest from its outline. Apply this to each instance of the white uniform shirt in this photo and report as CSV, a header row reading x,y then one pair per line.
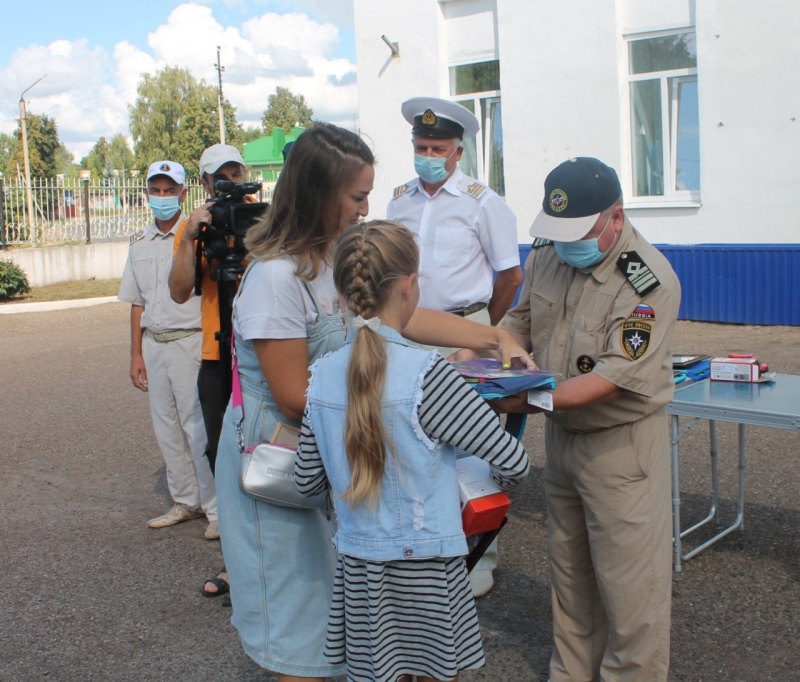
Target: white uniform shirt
x,y
145,282
273,303
465,232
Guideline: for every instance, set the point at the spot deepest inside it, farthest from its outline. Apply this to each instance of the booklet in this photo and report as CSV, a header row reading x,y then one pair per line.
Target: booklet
x,y
489,379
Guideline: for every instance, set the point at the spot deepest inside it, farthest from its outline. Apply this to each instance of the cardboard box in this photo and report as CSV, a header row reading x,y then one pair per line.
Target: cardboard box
x,y
734,369
483,503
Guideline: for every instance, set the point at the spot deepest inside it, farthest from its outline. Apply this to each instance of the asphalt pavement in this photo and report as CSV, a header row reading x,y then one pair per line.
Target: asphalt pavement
x,y
91,593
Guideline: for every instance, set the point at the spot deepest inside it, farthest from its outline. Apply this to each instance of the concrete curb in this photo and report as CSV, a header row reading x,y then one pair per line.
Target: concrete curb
x,y
45,306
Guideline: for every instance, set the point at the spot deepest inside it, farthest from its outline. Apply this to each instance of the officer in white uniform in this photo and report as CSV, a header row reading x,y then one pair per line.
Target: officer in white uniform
x,y
166,344
466,231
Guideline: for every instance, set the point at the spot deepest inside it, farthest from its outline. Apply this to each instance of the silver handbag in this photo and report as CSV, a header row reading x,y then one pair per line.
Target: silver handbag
x,y
266,472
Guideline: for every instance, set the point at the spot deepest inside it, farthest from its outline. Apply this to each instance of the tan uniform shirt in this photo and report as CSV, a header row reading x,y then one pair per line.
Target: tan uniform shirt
x,y
594,320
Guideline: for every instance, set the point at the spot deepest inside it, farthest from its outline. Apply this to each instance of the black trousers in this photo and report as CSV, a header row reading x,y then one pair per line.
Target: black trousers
x,y
213,402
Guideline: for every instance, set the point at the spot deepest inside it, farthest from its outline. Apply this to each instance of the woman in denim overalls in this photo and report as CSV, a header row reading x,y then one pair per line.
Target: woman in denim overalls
x,y
281,561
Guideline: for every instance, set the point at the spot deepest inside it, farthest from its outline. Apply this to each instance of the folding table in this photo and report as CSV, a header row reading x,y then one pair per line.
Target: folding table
x,y
775,403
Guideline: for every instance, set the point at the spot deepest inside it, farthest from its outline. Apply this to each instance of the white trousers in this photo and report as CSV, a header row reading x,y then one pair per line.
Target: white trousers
x,y
172,369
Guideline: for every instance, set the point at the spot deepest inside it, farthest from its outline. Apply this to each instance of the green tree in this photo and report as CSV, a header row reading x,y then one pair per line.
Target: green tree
x,y
97,159
156,115
65,162
8,145
199,126
252,133
285,110
43,146
120,155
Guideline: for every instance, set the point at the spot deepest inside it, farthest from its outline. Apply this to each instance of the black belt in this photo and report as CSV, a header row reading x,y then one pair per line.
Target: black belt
x,y
469,310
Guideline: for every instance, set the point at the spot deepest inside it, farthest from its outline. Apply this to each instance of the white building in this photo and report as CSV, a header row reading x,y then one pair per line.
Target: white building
x,y
696,103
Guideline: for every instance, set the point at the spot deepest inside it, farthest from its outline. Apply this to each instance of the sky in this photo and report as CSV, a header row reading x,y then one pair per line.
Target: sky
x,y
91,56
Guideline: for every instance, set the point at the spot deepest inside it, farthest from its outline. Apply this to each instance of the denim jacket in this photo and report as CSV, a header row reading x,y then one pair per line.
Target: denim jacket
x,y
418,515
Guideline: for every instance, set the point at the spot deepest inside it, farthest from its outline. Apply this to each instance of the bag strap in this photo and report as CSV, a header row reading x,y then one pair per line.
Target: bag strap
x,y
237,403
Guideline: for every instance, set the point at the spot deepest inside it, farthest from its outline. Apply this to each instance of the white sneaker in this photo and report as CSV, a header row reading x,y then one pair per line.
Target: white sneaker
x,y
212,531
175,515
481,582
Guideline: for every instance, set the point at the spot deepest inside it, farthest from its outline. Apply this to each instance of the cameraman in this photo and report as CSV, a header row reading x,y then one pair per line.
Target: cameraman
x,y
218,162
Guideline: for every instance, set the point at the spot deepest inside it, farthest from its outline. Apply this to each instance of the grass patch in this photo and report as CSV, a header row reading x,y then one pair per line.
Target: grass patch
x,y
67,291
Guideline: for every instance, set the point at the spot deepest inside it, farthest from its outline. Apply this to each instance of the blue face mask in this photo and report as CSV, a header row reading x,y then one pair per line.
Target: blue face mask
x,y
432,168
164,208
583,253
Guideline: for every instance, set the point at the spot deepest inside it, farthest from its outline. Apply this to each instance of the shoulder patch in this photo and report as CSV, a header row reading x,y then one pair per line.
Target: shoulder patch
x,y
643,312
136,236
475,189
638,274
539,242
401,190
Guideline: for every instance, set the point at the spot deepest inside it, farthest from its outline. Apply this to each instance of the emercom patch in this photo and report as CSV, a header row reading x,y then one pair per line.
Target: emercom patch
x,y
636,338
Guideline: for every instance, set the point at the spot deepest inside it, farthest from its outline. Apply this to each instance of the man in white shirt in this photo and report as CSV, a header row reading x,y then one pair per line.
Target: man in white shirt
x,y
469,254
165,353
467,232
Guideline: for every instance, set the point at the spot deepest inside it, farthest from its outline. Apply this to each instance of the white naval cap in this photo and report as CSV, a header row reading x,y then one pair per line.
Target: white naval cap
x,y
436,117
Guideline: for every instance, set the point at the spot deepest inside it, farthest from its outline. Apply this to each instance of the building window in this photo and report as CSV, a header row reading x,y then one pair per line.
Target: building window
x,y
477,87
665,140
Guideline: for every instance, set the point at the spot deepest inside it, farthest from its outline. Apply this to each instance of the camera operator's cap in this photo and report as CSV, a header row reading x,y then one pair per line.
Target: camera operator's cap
x,y
575,194
216,156
435,117
171,169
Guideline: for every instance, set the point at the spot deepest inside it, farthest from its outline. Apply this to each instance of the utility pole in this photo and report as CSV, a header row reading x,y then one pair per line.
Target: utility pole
x,y
218,66
27,161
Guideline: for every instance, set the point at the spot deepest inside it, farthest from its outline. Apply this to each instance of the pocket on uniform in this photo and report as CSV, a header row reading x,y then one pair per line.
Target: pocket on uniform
x,y
450,244
542,316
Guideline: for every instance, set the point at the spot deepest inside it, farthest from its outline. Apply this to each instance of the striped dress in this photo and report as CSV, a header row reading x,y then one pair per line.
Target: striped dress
x,y
414,617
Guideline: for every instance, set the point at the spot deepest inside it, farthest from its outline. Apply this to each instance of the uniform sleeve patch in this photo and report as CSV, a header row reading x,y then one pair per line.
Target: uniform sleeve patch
x,y
636,338
643,312
638,274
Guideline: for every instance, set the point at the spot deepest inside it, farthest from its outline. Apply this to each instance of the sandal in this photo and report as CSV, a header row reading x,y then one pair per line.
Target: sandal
x,y
221,585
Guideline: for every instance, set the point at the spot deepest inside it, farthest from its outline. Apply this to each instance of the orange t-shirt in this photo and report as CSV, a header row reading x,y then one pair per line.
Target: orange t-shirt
x,y
209,302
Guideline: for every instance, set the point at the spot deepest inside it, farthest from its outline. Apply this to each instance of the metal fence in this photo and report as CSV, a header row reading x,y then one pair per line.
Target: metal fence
x,y
75,210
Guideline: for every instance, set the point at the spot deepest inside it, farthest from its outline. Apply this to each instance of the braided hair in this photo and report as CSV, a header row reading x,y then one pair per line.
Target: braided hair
x,y
369,258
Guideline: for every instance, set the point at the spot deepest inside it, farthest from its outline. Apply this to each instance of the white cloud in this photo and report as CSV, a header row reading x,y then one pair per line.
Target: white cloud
x,y
88,91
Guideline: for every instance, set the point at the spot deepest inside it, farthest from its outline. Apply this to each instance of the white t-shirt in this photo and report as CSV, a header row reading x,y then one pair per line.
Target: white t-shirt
x,y
273,303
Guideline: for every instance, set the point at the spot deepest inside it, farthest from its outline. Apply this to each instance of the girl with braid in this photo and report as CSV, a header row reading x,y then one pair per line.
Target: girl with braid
x,y
287,314
382,422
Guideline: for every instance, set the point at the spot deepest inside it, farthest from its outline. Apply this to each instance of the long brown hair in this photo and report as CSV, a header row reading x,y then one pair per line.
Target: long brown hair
x,y
369,258
303,217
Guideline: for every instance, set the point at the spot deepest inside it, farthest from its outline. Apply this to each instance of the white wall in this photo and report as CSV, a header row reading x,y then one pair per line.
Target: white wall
x,y
563,66
383,82
53,264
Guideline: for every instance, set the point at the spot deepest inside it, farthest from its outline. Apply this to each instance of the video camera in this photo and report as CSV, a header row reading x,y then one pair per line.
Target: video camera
x,y
222,241
230,214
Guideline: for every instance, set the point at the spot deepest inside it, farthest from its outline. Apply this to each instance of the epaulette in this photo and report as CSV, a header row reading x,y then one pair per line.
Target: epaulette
x,y
539,242
401,190
475,189
136,236
637,272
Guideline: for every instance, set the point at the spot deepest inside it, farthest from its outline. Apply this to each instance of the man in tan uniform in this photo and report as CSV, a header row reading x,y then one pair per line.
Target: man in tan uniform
x,y
598,306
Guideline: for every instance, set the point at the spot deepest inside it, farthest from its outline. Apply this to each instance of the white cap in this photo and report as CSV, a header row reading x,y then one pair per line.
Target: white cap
x,y
437,117
171,169
216,156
